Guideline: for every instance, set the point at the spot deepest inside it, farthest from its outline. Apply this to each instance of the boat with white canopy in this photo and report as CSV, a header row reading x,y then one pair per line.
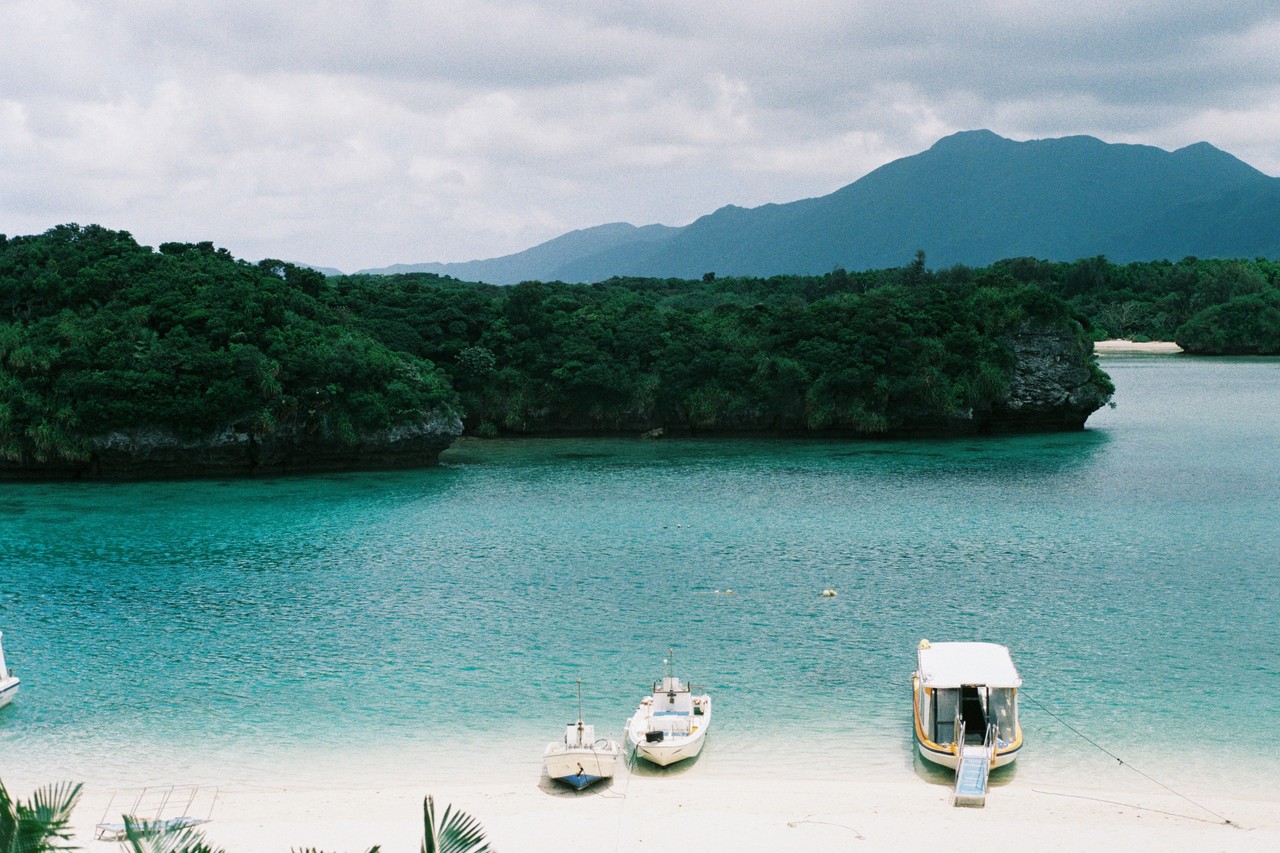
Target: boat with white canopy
x,y
966,711
671,723
580,759
8,681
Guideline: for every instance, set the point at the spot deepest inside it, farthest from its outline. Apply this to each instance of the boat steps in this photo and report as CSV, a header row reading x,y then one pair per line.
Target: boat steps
x,y
972,772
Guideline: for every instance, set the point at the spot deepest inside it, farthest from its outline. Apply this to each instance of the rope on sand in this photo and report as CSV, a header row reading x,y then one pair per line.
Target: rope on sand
x,y
794,823
631,765
1223,820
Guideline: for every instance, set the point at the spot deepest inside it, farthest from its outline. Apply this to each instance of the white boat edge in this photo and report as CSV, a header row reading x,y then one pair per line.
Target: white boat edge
x,y
8,689
8,681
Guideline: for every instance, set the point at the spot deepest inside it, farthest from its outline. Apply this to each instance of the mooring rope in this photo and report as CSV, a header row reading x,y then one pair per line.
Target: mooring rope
x,y
1225,821
631,766
794,823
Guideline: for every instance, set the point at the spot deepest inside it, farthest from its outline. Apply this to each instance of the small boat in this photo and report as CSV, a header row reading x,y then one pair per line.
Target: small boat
x,y
8,681
966,711
580,759
671,724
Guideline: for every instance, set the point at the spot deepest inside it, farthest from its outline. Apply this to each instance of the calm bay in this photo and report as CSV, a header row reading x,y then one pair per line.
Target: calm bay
x,y
417,624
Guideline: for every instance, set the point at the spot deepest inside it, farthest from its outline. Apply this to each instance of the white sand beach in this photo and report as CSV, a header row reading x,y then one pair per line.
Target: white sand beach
x,y
1147,347
700,812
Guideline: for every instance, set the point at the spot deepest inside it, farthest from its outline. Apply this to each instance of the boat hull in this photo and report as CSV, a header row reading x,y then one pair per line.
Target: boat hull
x,y
580,767
942,755
8,689
666,754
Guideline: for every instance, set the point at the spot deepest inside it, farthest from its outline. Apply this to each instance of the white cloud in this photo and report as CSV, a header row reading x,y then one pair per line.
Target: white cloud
x,y
365,134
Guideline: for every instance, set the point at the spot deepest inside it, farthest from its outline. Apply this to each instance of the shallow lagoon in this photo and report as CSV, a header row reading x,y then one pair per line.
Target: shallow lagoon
x,y
380,624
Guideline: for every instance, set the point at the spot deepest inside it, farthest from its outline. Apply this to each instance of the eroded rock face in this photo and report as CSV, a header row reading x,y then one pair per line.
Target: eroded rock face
x,y
1053,386
155,452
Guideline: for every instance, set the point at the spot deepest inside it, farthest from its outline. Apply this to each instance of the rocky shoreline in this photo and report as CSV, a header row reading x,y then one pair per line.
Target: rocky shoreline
x,y
149,453
1053,387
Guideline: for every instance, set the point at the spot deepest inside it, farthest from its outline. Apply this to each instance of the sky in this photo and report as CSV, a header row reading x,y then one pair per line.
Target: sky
x,y
362,134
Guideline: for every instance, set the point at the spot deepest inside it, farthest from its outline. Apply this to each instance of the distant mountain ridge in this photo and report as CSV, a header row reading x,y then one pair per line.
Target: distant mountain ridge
x,y
972,198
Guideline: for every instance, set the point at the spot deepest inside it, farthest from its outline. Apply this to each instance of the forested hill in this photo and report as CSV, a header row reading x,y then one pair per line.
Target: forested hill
x,y
973,198
117,360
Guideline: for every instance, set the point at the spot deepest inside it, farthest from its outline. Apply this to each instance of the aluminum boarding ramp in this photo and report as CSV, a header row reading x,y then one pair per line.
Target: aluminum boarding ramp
x,y
973,768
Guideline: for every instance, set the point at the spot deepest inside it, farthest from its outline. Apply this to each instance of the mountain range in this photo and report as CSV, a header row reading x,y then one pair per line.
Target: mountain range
x,y
972,198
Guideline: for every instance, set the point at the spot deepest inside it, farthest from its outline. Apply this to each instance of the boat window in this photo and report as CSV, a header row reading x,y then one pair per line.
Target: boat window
x,y
1002,710
945,703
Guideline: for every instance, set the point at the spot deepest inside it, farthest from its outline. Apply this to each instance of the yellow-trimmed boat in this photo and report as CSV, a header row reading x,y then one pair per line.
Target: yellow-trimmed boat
x,y
966,704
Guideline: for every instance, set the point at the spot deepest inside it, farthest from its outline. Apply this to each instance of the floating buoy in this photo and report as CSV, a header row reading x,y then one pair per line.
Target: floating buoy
x,y
828,593
728,592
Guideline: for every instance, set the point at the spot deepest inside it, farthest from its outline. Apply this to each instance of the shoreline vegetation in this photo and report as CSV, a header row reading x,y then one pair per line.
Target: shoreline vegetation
x,y
117,360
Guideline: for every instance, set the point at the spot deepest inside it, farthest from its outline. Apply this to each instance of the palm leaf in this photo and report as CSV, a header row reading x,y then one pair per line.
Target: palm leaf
x,y
374,849
37,827
456,832
8,821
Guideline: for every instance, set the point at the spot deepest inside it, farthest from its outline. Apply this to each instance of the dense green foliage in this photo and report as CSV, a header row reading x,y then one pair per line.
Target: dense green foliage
x,y
1185,301
1248,324
869,353
98,333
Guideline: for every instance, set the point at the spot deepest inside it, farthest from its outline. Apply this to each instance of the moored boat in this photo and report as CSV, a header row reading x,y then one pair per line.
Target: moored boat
x,y
671,723
965,694
8,681
580,759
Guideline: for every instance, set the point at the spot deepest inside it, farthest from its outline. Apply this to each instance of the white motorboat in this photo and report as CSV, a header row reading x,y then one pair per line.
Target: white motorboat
x,y
671,724
8,681
966,711
580,759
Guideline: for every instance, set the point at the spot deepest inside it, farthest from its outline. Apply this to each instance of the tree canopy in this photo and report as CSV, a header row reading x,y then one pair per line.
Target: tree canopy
x,y
98,333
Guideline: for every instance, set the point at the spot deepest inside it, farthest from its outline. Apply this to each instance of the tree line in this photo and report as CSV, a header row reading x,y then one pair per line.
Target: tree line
x,y
99,333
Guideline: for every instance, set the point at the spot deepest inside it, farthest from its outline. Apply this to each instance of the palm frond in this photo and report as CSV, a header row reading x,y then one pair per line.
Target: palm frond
x,y
374,849
40,825
456,832
8,820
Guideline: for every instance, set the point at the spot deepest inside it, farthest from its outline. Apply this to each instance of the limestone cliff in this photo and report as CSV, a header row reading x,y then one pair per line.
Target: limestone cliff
x,y
1055,383
156,452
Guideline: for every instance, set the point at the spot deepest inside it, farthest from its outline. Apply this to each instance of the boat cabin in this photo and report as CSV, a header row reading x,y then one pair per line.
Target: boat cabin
x,y
579,735
966,686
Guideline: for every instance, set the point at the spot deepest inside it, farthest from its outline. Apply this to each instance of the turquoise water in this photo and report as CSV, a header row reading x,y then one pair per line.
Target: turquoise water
x,y
399,623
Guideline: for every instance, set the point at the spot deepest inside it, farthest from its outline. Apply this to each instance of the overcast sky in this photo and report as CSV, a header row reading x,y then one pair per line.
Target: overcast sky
x,y
360,134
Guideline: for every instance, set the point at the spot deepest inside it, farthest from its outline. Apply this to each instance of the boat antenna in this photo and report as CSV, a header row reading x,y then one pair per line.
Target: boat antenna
x,y
579,701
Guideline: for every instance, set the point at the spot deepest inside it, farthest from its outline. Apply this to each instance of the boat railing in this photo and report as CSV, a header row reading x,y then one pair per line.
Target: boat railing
x,y
988,752
957,732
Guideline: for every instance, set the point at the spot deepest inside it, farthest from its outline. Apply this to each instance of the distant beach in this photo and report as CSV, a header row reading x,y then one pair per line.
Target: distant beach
x,y
1123,346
